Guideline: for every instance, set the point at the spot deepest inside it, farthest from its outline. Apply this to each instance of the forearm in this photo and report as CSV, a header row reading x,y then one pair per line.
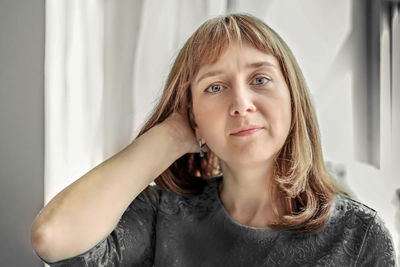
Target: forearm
x,y
88,210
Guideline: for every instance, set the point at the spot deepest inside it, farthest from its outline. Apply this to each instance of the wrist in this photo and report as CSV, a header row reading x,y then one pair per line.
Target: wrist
x,y
173,139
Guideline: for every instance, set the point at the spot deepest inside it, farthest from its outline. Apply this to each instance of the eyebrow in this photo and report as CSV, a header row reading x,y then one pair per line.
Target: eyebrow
x,y
248,66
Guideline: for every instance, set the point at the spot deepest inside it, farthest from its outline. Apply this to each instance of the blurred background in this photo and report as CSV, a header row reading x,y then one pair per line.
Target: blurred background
x,y
79,78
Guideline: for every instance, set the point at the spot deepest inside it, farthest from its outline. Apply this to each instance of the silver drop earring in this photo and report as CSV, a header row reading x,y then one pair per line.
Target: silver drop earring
x,y
201,149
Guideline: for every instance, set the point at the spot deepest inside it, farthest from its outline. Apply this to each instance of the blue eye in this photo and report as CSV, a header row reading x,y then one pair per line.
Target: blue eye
x,y
215,88
260,80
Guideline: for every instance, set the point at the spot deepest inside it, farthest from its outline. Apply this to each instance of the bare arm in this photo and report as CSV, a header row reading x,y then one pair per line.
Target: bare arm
x,y
92,206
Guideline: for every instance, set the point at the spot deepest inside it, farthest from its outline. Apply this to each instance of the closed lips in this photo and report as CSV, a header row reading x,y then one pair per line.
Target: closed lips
x,y
244,129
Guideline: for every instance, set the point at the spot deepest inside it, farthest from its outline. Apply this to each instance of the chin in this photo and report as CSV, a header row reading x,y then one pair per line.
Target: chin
x,y
247,155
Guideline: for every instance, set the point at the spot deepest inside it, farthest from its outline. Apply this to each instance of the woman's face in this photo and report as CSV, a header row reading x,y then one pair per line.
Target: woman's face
x,y
244,90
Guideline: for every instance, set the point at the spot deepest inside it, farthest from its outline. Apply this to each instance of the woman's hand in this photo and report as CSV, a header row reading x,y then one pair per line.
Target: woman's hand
x,y
180,130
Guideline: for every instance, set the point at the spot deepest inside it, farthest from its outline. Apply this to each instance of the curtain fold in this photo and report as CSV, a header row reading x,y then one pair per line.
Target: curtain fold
x,y
395,82
73,90
395,109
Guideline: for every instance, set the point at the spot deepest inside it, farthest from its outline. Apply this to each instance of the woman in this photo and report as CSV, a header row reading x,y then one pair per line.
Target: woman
x,y
257,194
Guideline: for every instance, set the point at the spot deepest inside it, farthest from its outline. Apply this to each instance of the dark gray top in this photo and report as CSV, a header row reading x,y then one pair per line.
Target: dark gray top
x,y
196,230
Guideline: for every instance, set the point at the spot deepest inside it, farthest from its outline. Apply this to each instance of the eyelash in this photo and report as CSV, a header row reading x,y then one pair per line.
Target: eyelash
x,y
259,77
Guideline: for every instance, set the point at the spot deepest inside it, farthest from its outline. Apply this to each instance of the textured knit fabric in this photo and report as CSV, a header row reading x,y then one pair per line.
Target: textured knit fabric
x,y
197,230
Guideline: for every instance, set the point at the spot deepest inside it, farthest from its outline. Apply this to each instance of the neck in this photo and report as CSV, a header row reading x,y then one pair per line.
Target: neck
x,y
244,193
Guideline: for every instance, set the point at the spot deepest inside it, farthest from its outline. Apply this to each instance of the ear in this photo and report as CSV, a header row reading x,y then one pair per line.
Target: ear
x,y
198,135
197,131
193,123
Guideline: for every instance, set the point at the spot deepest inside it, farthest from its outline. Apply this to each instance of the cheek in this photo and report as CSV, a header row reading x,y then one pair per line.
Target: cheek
x,y
206,124
200,118
288,108
277,112
210,123
284,103
286,117
206,111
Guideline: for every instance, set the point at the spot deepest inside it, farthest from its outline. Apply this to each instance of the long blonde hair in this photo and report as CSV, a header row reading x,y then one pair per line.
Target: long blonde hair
x,y
301,185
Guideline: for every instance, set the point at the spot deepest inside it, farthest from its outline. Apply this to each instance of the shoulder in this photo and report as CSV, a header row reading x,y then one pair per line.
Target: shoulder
x,y
366,233
378,245
352,215
355,207
348,216
202,201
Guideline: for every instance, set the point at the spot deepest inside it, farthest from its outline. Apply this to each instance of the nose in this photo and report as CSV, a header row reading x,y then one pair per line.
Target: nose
x,y
242,102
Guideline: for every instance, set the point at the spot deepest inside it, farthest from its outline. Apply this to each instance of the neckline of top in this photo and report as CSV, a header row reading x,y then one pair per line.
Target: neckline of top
x,y
217,180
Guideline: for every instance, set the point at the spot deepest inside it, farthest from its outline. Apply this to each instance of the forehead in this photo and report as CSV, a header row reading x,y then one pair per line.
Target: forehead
x,y
213,53
243,55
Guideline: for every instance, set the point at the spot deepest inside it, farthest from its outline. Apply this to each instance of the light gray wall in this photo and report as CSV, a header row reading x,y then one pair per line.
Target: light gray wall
x,y
22,31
